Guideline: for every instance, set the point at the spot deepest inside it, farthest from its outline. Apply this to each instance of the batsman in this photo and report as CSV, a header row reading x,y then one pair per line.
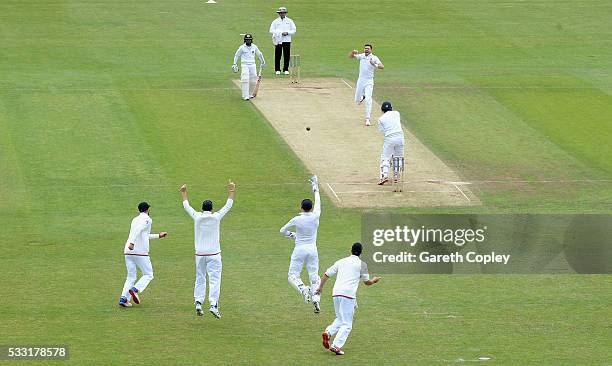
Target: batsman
x,y
390,125
248,75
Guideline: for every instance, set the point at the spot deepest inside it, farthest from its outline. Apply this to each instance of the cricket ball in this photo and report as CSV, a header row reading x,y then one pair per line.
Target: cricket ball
x,y
307,128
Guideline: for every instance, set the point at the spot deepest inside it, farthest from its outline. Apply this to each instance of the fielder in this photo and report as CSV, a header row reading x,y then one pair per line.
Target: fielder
x,y
368,63
208,249
305,251
248,76
390,125
350,271
136,252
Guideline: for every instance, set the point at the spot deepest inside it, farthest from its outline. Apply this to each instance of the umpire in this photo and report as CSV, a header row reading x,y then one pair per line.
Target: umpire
x,y
282,28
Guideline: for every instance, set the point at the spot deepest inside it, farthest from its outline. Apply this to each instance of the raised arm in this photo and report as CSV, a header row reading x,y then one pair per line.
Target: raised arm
x,y
314,181
231,194
186,204
353,54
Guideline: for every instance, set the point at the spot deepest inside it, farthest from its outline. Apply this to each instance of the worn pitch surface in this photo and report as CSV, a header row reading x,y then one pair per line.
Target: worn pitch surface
x,y
345,154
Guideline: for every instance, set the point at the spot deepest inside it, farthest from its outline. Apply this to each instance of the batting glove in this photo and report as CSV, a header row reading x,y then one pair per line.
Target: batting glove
x,y
235,68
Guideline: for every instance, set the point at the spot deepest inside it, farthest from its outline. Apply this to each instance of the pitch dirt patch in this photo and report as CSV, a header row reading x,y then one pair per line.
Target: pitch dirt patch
x,y
345,154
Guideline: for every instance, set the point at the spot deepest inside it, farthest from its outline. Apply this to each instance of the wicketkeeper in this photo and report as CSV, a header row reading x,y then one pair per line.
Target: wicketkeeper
x,y
305,252
248,76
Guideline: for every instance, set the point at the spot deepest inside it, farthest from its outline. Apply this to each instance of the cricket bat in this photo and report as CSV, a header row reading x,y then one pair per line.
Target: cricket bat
x,y
258,83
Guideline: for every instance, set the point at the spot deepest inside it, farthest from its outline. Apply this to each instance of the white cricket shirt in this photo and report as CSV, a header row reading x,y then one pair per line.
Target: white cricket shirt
x,y
306,225
366,69
390,124
247,54
279,26
349,271
206,226
140,234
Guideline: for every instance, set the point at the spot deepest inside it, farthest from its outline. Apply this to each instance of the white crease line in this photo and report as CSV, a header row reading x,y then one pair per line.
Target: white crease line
x,y
388,191
438,181
466,197
347,84
334,192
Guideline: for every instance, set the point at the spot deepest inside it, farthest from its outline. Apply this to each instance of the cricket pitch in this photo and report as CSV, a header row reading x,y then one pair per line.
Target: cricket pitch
x,y
345,154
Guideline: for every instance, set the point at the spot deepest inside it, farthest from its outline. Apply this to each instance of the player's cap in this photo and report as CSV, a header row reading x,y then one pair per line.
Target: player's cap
x,y
306,205
386,107
248,36
143,206
282,9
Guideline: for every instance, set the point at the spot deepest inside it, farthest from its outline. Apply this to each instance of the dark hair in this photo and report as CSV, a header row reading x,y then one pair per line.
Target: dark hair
x,y
207,205
143,206
356,249
368,45
306,205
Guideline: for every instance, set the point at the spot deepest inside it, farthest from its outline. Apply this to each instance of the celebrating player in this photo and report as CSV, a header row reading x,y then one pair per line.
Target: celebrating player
x,y
136,253
248,76
349,271
305,251
208,249
390,125
368,63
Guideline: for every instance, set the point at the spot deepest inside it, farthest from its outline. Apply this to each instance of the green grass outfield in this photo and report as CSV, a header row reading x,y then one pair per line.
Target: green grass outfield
x,y
107,103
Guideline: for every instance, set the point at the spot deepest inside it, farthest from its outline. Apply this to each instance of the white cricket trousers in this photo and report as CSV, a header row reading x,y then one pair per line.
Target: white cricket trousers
x,y
132,262
304,254
393,146
248,79
342,325
210,264
364,88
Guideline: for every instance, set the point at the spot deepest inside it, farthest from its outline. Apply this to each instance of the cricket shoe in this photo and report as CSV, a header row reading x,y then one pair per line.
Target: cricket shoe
x,y
325,337
134,293
198,307
247,99
314,181
367,122
383,181
317,307
124,303
307,295
336,350
214,310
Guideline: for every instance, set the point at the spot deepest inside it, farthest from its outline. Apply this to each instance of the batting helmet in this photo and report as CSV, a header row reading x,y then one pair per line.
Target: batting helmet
x,y
386,107
248,36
